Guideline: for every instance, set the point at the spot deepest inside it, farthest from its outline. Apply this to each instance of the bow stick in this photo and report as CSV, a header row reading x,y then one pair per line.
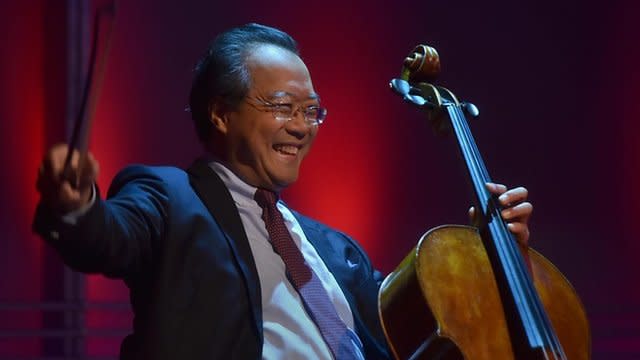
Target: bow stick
x,y
80,135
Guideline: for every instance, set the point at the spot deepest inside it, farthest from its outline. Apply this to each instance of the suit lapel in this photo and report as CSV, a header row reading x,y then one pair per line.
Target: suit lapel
x,y
335,262
320,243
216,197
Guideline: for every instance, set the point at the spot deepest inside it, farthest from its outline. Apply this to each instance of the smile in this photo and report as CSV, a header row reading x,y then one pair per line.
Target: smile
x,y
287,149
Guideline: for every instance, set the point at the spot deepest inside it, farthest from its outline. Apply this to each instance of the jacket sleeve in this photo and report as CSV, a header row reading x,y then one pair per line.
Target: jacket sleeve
x,y
116,236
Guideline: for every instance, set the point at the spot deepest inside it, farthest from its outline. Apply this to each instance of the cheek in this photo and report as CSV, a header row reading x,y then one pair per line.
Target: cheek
x,y
312,139
248,134
259,142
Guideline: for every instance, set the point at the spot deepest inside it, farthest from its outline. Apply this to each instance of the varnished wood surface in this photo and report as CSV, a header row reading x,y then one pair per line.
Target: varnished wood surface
x,y
443,296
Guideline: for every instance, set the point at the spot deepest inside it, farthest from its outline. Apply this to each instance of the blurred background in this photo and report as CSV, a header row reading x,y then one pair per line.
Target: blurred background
x,y
556,83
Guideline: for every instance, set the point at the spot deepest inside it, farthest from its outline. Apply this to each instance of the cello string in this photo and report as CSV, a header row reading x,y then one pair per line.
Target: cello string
x,y
519,265
525,276
504,242
479,176
477,159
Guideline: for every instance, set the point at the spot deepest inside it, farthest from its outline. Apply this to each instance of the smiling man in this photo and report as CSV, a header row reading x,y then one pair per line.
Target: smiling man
x,y
263,140
217,267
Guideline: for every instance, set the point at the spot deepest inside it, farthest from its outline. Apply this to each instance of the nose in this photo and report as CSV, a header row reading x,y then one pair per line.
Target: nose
x,y
298,125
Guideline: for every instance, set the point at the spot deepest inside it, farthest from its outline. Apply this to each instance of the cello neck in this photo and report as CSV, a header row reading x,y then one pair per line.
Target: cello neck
x,y
532,334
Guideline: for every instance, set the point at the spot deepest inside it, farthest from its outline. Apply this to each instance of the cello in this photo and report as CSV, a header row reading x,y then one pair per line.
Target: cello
x,y
465,292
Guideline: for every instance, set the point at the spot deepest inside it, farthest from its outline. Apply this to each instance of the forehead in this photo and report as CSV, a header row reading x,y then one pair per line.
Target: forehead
x,y
278,72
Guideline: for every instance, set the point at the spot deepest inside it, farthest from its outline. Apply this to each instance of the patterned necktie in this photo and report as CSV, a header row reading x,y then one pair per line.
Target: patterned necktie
x,y
335,333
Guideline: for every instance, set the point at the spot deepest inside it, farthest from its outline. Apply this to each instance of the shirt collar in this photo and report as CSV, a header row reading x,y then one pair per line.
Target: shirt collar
x,y
241,192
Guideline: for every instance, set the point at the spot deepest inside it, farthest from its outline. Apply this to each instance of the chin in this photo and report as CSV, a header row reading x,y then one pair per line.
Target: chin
x,y
283,182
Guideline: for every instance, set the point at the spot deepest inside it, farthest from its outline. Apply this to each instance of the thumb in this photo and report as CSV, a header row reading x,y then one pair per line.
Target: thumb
x,y
88,171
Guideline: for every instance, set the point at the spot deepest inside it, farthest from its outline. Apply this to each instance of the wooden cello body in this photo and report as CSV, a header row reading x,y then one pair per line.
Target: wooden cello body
x,y
466,292
442,302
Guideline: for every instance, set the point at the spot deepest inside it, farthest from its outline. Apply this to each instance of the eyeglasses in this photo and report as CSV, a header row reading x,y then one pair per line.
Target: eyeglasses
x,y
313,115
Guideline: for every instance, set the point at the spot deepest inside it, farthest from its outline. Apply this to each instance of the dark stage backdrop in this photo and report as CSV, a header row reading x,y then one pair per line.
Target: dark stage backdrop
x,y
556,82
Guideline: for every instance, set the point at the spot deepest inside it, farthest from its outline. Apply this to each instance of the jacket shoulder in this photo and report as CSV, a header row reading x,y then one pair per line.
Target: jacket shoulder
x,y
152,176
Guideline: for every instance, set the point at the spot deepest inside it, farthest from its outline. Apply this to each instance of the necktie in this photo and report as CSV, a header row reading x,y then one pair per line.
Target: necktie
x,y
339,338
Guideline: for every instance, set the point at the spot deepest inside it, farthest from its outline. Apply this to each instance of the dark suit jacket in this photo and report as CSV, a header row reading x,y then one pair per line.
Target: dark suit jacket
x,y
177,240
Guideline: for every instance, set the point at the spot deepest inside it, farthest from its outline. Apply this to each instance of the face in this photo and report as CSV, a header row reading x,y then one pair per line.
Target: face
x,y
261,150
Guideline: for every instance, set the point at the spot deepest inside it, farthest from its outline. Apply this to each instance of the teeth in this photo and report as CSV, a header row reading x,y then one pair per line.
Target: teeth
x,y
286,149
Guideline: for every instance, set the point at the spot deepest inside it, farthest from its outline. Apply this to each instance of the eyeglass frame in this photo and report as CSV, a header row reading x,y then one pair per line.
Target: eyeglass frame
x,y
274,108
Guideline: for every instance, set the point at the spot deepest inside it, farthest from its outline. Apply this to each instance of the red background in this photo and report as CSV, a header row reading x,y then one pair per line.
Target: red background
x,y
556,83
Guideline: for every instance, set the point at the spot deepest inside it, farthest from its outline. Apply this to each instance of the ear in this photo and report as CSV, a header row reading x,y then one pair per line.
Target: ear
x,y
218,115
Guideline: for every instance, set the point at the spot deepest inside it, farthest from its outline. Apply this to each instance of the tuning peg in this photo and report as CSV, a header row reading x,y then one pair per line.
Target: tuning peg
x,y
400,86
415,99
470,109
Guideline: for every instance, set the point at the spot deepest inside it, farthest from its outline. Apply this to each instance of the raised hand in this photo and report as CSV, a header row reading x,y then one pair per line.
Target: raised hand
x,y
66,192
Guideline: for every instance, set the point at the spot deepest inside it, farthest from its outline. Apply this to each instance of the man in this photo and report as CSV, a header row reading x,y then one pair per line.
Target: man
x,y
213,263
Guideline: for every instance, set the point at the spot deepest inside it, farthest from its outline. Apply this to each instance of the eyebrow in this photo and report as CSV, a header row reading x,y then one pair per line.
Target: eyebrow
x,y
279,94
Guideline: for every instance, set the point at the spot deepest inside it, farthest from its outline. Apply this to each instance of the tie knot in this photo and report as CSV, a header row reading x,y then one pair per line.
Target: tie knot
x,y
265,198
